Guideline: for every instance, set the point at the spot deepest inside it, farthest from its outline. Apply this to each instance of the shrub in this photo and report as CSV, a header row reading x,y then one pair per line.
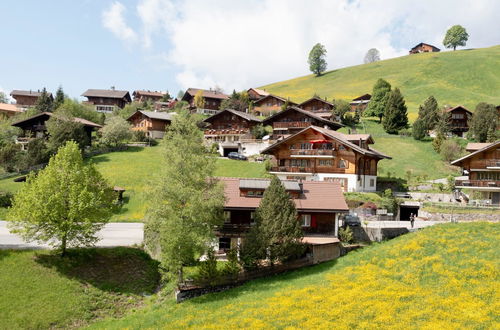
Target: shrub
x,y
231,267
450,150
10,157
419,130
6,199
208,269
345,235
405,132
139,136
116,131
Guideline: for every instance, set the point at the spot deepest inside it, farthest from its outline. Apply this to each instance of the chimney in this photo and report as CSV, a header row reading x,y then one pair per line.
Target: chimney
x,y
301,187
112,88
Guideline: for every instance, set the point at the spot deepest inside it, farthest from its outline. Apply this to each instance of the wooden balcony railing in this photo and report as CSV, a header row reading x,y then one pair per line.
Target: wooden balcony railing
x,y
312,152
478,183
294,169
233,228
291,124
226,131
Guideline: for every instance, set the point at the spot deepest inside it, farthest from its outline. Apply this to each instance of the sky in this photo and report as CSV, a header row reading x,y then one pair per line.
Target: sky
x,y
172,45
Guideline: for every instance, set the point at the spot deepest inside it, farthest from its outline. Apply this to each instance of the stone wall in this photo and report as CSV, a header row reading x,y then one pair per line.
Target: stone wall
x,y
363,234
459,217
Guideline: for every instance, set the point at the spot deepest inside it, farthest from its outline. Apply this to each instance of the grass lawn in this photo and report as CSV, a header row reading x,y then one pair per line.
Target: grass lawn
x,y
41,290
135,170
464,77
446,276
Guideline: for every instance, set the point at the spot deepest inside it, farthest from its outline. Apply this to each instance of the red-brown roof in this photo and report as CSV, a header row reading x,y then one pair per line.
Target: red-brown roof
x,y
9,107
317,196
261,92
274,97
16,92
458,107
148,93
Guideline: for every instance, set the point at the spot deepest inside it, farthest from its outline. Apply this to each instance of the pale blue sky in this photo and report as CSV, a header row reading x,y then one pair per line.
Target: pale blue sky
x,y
171,45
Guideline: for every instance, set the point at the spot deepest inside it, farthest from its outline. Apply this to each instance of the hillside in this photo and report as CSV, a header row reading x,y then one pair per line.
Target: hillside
x,y
444,276
464,77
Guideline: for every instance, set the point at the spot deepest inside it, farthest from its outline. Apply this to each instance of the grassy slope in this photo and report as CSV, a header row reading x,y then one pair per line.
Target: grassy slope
x,y
462,77
444,276
40,290
135,170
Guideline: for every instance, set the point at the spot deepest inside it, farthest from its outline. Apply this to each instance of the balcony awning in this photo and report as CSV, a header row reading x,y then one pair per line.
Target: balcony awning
x,y
319,141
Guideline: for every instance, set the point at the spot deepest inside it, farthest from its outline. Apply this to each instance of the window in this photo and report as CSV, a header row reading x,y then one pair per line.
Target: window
x,y
341,148
224,243
305,146
372,182
306,220
282,162
104,108
250,193
227,216
292,146
342,163
325,162
457,116
299,162
252,217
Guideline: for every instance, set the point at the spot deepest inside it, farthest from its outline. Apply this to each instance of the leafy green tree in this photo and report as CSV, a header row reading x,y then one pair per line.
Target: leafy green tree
x,y
317,59
116,131
259,131
419,130
65,204
44,102
455,36
3,98
199,100
187,202
396,113
372,55
73,108
166,97
428,113
237,101
378,101
342,110
277,223
450,150
129,109
483,124
443,124
180,94
62,129
59,100
10,155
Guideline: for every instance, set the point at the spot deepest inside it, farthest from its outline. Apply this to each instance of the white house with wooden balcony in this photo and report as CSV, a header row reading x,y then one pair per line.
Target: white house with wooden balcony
x,y
321,154
482,172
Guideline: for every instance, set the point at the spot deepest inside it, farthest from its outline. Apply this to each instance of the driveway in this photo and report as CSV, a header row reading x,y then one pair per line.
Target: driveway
x,y
113,234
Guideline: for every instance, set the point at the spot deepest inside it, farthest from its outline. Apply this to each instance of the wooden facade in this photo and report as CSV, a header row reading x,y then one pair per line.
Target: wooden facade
x,y
154,124
482,168
255,94
212,98
147,96
424,48
318,106
360,103
106,100
26,99
270,105
459,120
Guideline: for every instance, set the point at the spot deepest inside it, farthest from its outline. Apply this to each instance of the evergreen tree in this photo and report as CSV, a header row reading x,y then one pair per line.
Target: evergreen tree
x,y
65,204
44,102
62,129
455,36
395,116
59,100
186,203
483,124
317,59
278,224
419,130
166,97
376,106
428,113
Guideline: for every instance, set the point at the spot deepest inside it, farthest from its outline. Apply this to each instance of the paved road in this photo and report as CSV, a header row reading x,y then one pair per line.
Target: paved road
x,y
113,234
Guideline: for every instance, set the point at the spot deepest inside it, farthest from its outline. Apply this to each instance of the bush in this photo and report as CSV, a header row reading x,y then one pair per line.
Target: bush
x,y
231,267
208,269
139,136
345,235
450,150
419,130
405,132
6,199
116,131
10,157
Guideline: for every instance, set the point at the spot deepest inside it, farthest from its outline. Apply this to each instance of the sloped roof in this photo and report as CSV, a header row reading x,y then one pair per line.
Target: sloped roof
x,y
107,93
317,196
423,43
486,148
165,116
457,108
206,93
148,93
17,92
9,107
241,114
270,119
356,137
364,97
473,146
82,121
276,97
290,185
261,92
339,137
316,98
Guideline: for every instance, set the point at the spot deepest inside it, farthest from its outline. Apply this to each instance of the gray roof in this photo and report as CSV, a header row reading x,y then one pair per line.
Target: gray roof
x,y
487,147
269,120
109,93
28,93
242,114
169,116
206,93
264,183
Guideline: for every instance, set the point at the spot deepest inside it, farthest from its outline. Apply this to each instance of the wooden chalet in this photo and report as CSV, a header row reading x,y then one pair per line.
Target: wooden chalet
x,y
424,48
107,100
144,96
154,124
212,99
318,106
269,105
321,154
360,103
228,128
34,126
459,120
318,204
294,119
482,170
27,99
8,110
256,94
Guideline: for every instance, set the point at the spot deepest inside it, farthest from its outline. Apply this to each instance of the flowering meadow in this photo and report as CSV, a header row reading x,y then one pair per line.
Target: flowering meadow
x,y
446,276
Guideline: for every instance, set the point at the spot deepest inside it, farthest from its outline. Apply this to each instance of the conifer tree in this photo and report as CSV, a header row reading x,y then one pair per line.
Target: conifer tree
x,y
483,124
44,102
429,113
376,106
59,100
395,115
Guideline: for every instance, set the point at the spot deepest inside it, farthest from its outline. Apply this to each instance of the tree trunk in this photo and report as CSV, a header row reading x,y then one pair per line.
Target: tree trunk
x,y
63,245
454,48
380,119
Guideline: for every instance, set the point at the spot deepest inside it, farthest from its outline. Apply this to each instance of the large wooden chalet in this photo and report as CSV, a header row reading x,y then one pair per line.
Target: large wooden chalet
x,y
212,100
35,127
482,170
228,128
144,96
459,120
360,103
270,104
294,119
27,99
320,107
107,100
318,204
320,154
154,124
424,48
256,94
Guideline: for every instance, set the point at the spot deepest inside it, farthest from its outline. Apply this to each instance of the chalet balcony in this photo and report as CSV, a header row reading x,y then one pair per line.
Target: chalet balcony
x,y
290,124
321,153
229,229
229,131
292,169
479,184
486,164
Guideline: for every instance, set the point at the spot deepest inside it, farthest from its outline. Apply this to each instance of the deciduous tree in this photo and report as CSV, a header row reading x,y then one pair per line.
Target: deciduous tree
x,y
65,204
372,55
455,36
116,131
378,101
396,113
317,59
3,98
199,100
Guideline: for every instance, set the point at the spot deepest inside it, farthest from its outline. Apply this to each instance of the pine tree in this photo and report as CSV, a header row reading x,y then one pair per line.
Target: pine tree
x,y
395,116
429,113
59,100
44,102
419,130
378,101
278,223
483,124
